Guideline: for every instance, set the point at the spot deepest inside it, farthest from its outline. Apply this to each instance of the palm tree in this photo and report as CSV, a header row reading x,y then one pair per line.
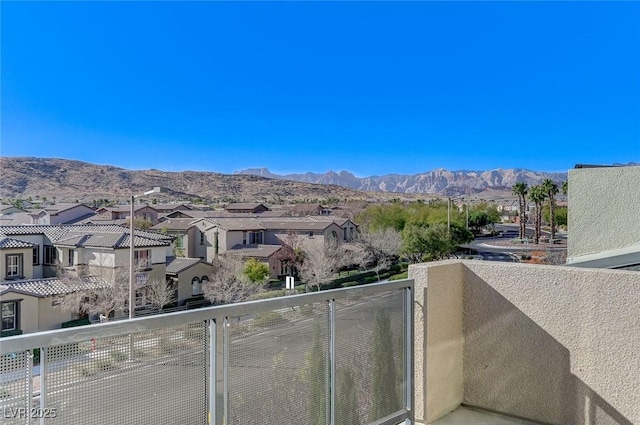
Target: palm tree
x,y
520,189
551,189
538,195
565,187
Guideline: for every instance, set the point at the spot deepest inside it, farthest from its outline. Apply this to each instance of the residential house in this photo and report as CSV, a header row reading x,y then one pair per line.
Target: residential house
x,y
120,213
304,210
62,213
188,277
31,305
246,208
34,253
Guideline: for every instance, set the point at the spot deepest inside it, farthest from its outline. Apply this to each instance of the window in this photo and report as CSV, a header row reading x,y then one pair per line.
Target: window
x,y
36,255
142,259
196,286
71,259
49,255
10,316
255,237
202,238
14,265
244,238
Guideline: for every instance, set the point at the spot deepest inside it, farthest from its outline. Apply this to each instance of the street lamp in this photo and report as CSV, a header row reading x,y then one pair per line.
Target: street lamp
x,y
132,290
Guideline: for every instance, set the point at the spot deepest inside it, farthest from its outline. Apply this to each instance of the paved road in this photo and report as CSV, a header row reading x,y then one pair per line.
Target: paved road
x,y
268,377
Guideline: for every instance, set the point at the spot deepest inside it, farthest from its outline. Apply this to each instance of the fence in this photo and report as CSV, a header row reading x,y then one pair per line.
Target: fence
x,y
342,356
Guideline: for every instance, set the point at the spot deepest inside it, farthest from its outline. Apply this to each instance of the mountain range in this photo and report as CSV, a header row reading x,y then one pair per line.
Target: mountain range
x,y
439,181
70,180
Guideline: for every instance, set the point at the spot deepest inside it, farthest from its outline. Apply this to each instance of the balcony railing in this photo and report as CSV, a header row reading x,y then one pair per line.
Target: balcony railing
x,y
343,356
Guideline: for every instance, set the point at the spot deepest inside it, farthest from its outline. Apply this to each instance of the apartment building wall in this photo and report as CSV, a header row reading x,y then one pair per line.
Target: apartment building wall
x,y
603,210
553,344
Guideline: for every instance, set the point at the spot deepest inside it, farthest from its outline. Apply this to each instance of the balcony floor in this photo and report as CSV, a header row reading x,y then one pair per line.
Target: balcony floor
x,y
468,416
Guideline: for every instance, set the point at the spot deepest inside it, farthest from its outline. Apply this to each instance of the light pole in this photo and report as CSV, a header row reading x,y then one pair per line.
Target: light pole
x,y
132,288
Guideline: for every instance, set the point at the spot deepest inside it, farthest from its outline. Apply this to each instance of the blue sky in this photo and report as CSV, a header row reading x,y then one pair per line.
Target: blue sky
x,y
373,88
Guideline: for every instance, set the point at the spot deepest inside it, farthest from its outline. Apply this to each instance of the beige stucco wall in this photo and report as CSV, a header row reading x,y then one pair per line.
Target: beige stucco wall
x,y
28,315
603,210
50,317
555,344
185,278
27,262
439,334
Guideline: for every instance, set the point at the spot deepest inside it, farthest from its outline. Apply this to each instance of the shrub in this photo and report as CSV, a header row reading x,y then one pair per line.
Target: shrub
x,y
306,309
269,294
117,356
268,318
193,333
168,346
101,365
76,322
403,275
350,283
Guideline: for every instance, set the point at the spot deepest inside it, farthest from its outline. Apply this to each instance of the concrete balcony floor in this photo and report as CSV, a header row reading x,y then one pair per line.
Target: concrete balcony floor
x,y
470,416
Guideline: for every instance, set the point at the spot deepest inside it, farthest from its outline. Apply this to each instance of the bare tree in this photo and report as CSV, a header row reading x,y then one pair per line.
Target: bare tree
x,y
93,295
379,248
157,293
321,261
228,283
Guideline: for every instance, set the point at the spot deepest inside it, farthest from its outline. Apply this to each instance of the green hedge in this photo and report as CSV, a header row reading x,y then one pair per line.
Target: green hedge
x,y
403,275
76,322
11,333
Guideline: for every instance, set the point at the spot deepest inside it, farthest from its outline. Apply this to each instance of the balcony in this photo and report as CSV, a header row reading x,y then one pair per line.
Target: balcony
x,y
460,342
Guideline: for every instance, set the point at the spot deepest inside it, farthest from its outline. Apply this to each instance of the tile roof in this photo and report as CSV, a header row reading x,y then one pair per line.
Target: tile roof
x,y
245,206
8,243
174,224
237,223
177,265
50,286
253,250
101,236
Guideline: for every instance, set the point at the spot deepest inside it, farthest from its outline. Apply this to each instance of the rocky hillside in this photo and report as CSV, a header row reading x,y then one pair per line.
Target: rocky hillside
x,y
67,180
438,181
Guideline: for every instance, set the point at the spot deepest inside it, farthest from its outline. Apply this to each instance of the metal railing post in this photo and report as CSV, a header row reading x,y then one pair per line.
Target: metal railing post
x,y
43,383
331,418
409,347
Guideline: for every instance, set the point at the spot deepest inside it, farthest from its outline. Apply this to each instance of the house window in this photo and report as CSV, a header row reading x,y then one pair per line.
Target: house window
x,y
71,258
10,316
310,234
202,238
244,238
196,286
14,265
142,259
49,255
36,255
255,238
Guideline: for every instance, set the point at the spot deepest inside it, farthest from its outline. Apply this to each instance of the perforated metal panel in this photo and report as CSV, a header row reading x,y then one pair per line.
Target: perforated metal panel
x,y
158,377
370,353
279,366
15,388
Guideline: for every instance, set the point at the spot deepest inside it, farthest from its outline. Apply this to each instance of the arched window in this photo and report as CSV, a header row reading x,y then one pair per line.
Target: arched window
x,y
196,286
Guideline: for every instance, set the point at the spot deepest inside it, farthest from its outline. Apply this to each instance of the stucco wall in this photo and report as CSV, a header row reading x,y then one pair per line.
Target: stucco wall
x,y
51,317
603,210
27,262
550,343
28,314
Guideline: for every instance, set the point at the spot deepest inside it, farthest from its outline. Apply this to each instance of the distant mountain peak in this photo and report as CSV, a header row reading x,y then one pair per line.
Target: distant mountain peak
x,y
437,181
